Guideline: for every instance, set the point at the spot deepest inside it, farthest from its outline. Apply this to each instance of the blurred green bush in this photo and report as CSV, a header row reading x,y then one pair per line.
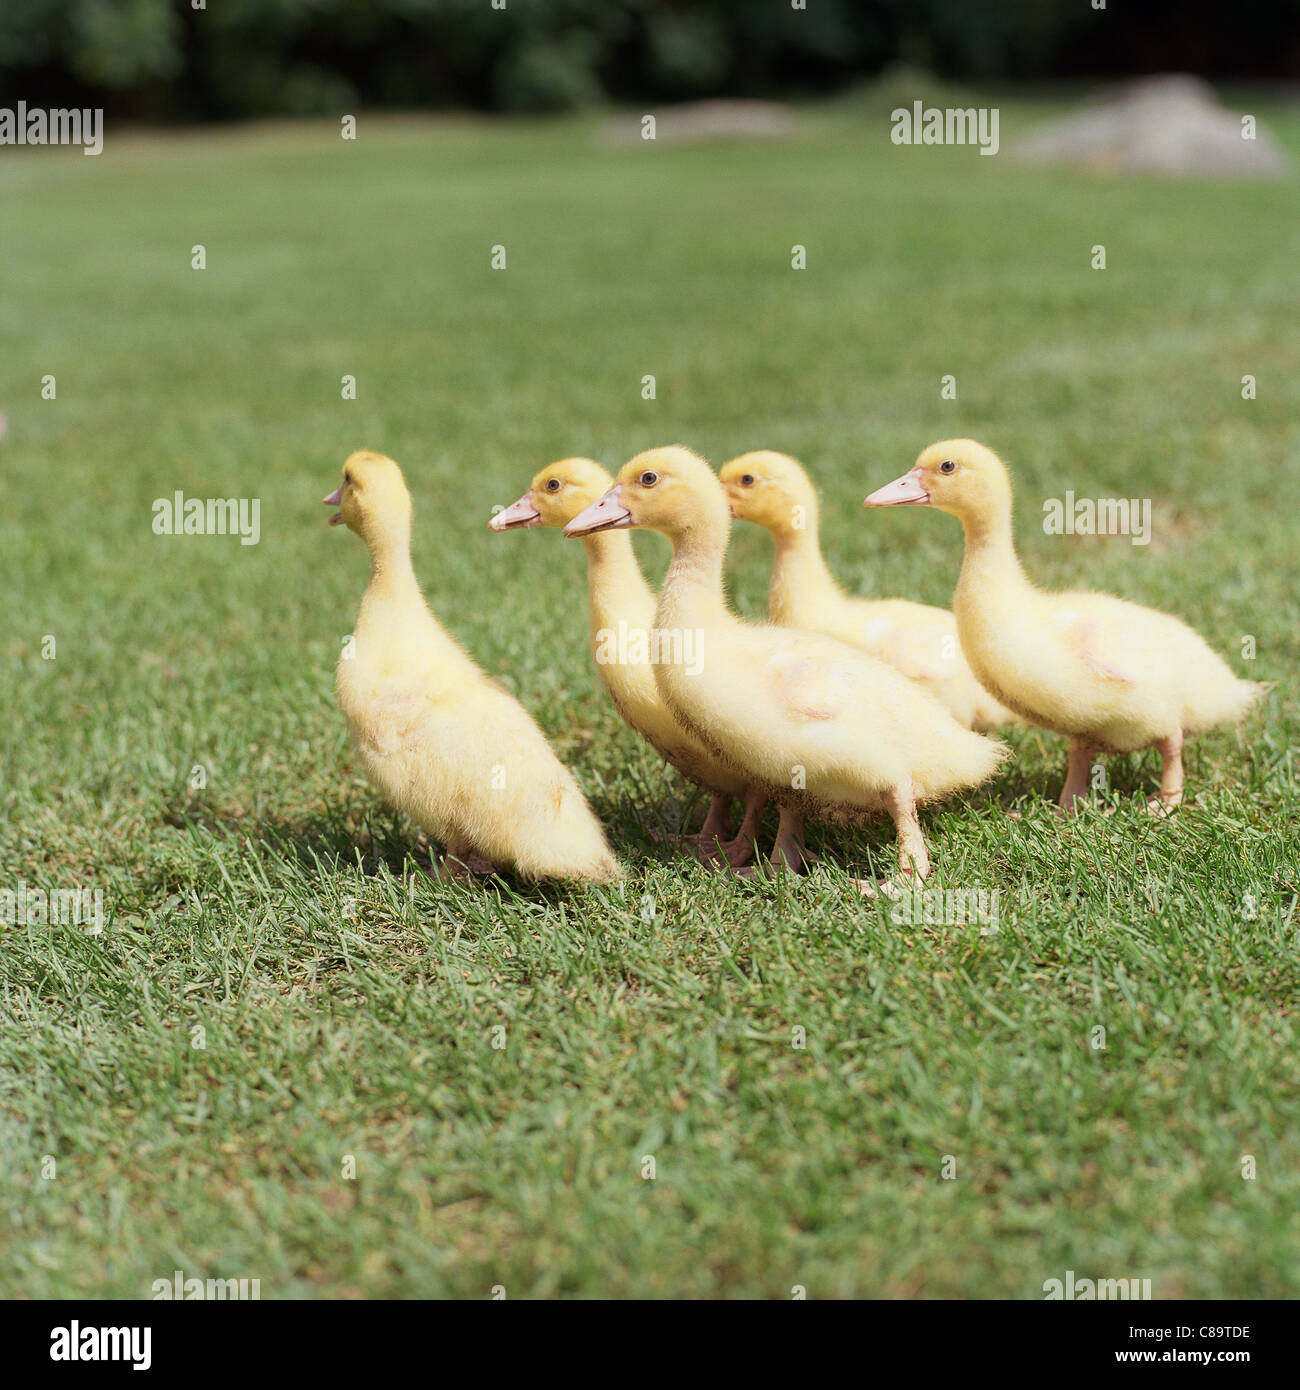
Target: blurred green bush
x,y
163,59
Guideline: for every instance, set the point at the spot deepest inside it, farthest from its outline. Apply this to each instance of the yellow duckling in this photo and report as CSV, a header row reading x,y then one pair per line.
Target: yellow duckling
x,y
1110,675
623,643
773,491
442,741
824,728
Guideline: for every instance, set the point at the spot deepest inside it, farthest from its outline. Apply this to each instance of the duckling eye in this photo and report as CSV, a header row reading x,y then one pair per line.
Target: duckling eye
x,y
947,466
347,477
649,478
748,480
553,485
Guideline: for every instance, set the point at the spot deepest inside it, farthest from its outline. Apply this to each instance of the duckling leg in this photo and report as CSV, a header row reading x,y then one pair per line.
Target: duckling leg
x,y
738,852
1076,776
460,862
717,826
704,842
913,857
1171,775
789,850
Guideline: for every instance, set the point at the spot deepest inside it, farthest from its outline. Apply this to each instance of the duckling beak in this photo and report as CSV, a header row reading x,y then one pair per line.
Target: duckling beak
x,y
333,500
517,514
907,489
607,514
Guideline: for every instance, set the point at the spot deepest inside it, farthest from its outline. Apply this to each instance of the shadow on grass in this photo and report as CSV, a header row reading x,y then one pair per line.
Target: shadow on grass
x,y
644,825
327,840
371,838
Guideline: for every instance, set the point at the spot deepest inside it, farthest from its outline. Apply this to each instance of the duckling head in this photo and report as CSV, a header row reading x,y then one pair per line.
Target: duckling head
x,y
372,499
670,490
556,495
957,476
771,490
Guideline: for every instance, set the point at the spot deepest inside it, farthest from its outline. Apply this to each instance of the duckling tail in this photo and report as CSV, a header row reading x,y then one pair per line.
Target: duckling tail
x,y
958,761
569,842
606,870
578,863
1227,701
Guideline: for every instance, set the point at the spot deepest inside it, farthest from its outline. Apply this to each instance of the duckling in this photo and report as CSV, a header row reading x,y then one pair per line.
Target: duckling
x,y
1112,676
621,602
442,741
773,491
826,729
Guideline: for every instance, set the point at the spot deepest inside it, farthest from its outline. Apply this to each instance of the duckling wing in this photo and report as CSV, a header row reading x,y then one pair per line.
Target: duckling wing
x,y
910,637
1096,642
919,655
823,681
853,726
806,689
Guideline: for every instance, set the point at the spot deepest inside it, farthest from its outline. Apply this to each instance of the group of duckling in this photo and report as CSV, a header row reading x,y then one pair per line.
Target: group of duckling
x,y
837,709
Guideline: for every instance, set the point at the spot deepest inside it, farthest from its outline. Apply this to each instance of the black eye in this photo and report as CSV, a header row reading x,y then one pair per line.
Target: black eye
x,y
553,485
649,478
947,466
347,477
747,480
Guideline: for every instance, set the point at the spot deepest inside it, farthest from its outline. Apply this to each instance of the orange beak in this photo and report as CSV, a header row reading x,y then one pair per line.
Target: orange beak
x,y
516,515
907,490
607,514
333,500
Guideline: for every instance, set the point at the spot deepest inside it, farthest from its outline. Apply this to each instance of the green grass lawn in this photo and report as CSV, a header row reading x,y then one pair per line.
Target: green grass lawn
x,y
348,1005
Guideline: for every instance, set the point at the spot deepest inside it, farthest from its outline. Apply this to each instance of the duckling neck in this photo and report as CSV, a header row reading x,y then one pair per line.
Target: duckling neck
x,y
801,585
692,593
616,588
990,569
391,573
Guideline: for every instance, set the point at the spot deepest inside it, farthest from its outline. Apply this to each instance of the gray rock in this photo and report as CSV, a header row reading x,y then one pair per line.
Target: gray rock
x,y
1170,125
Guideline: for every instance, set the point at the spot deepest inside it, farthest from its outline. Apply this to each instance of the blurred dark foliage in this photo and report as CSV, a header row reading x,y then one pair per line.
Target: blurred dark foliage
x,y
164,59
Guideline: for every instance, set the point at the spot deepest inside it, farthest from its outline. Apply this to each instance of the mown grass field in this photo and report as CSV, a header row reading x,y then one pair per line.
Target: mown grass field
x,y
348,1004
